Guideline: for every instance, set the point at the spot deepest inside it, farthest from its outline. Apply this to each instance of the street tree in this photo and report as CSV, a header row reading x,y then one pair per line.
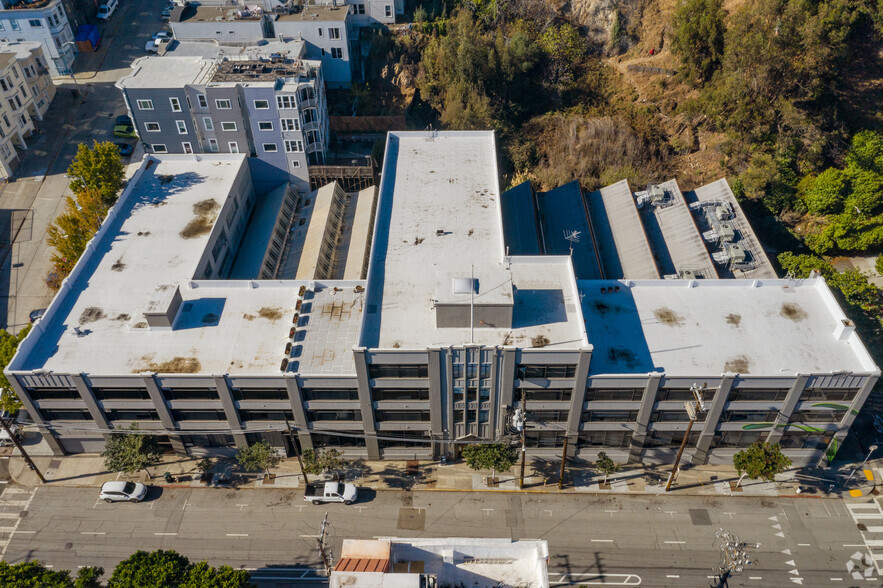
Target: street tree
x,y
99,168
89,577
319,462
33,574
8,346
149,569
762,460
698,37
605,465
128,450
71,231
260,456
490,456
202,575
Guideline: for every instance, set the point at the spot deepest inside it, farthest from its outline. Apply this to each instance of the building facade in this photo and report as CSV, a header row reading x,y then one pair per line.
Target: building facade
x,y
446,338
45,22
273,110
26,91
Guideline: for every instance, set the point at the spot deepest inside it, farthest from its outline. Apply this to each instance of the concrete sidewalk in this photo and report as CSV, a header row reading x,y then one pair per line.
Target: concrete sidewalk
x,y
540,476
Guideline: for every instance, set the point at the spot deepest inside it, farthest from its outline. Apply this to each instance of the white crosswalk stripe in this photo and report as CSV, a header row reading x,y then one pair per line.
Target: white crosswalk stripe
x,y
13,502
869,516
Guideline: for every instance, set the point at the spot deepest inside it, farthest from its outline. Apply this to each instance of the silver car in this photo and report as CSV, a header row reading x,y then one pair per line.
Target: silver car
x,y
123,492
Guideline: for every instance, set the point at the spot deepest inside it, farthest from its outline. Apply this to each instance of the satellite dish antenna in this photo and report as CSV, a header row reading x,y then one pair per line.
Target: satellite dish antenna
x,y
573,237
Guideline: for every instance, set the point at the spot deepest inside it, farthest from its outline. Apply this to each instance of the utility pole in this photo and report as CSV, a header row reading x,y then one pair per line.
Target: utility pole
x,y
693,407
523,437
24,454
296,451
563,461
327,556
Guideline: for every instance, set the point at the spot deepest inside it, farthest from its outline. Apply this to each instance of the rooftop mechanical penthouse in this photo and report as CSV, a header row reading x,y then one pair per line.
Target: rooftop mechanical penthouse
x,y
439,342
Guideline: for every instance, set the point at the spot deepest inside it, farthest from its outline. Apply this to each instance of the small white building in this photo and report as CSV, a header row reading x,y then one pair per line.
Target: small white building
x,y
45,22
431,562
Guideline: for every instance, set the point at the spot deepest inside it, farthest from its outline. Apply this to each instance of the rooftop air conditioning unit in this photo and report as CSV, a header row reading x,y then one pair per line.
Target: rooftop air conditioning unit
x,y
657,194
727,232
688,275
736,253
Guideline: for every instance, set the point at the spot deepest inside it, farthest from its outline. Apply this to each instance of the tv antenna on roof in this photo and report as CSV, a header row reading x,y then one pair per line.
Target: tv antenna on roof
x,y
573,237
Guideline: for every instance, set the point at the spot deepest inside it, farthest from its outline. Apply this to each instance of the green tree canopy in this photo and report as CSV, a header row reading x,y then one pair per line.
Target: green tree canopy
x,y
89,577
130,451
71,231
605,465
490,456
8,346
827,192
150,569
762,460
698,37
202,575
99,168
33,574
259,456
319,462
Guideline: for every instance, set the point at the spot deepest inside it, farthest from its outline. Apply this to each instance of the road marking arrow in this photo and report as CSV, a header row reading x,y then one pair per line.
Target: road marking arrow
x,y
774,519
780,534
786,551
795,572
797,581
779,527
790,562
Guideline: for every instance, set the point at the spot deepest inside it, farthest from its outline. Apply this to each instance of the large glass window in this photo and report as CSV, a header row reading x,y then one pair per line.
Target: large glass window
x,y
334,415
398,371
818,416
682,394
54,394
265,415
190,393
65,414
674,416
548,416
544,438
804,440
605,438
758,394
330,394
609,394
670,439
393,440
198,415
322,440
132,415
613,416
526,372
736,438
757,416
837,394
120,393
259,394
547,394
403,415
400,394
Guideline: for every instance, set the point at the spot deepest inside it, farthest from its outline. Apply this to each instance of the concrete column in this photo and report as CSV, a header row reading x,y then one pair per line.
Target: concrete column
x,y
644,413
712,418
296,399
577,400
86,394
436,377
787,408
37,417
859,401
448,404
230,411
165,415
366,403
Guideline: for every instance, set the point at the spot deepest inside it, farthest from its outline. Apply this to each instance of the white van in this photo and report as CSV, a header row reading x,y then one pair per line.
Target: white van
x,y
107,9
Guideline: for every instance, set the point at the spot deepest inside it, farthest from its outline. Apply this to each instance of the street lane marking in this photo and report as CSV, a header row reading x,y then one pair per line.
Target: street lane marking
x,y
672,576
836,579
804,545
237,534
602,540
675,541
755,577
17,522
165,533
241,506
92,533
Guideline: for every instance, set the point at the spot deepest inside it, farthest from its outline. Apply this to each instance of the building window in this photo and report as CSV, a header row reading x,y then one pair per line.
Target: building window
x,y
187,147
266,415
754,416
320,31
605,439
547,394
207,123
333,33
735,438
537,439
405,440
334,415
286,101
66,414
54,394
804,440
295,163
190,393
388,11
526,372
261,104
397,371
265,125
176,104
213,145
681,394
132,415
379,394
259,394
151,127
836,394
311,115
144,104
228,126
548,416
670,438
198,415
611,394
160,149
17,27
610,416
358,9
336,53
294,146
182,127
5,84
36,23
818,416
674,416
290,124
120,393
330,394
323,440
758,394
223,104
403,415
200,99
233,146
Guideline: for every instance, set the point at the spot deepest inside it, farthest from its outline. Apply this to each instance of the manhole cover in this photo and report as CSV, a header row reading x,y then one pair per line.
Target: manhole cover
x,y
862,527
68,545
412,519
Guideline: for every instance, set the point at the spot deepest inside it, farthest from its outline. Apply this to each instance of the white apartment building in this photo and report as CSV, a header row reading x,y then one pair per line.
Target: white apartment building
x,y
45,22
26,90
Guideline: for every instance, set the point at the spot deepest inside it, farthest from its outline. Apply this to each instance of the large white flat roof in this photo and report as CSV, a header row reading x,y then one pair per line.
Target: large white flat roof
x,y
439,214
708,327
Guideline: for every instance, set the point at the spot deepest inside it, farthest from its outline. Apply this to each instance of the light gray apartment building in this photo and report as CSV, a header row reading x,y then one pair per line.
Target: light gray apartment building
x,y
328,32
434,346
269,104
43,21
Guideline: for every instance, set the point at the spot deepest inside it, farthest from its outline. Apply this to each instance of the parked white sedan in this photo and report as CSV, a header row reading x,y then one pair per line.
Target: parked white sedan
x,y
123,492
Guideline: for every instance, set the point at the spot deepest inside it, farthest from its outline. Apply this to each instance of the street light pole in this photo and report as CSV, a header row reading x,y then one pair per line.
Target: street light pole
x,y
694,407
871,450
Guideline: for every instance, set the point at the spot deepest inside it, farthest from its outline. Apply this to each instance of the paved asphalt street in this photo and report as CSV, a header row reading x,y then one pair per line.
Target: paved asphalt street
x,y
593,540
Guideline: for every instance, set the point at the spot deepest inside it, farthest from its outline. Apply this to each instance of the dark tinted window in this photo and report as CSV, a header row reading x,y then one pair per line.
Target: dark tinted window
x,y
677,415
54,394
839,394
546,395
132,415
129,487
65,415
615,416
266,415
259,394
760,394
548,416
398,371
121,393
198,415
804,440
736,438
670,439
605,438
334,415
758,416
330,394
818,416
681,394
403,415
614,394
190,394
526,372
329,440
400,394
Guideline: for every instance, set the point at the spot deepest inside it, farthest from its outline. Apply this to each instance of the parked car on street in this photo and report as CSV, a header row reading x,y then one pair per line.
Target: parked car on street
x,y
123,119
125,131
122,492
155,45
125,149
106,10
163,35
331,492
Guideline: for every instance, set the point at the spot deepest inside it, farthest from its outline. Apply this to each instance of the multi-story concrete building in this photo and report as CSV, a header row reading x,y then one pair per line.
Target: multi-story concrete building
x,y
26,91
45,22
328,32
365,12
270,105
437,347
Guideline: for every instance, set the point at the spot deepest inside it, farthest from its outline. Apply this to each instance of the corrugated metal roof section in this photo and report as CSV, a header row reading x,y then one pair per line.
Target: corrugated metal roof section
x,y
520,229
565,220
353,564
